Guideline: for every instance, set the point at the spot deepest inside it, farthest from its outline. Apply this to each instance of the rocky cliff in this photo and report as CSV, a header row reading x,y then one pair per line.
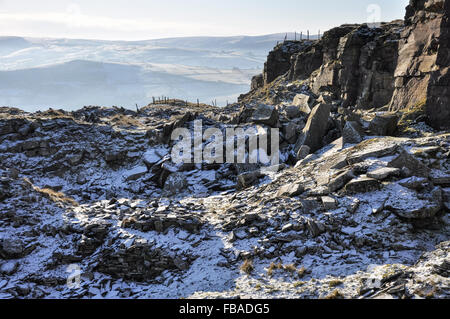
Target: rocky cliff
x,y
402,65
92,204
421,76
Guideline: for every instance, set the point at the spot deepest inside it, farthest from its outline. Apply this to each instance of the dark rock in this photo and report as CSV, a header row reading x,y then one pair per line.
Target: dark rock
x,y
384,172
290,190
414,208
279,59
339,180
265,114
414,182
257,82
422,77
303,152
135,260
384,125
411,163
362,185
352,133
315,228
246,180
12,248
292,112
315,128
290,131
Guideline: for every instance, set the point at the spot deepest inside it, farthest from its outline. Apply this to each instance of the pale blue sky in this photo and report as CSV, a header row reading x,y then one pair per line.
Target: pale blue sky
x,y
148,19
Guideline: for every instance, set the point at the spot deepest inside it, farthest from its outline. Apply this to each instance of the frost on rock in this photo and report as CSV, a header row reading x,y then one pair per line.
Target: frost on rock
x,y
344,214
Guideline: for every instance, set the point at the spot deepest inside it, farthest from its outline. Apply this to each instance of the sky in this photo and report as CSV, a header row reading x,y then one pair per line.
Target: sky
x,y
150,19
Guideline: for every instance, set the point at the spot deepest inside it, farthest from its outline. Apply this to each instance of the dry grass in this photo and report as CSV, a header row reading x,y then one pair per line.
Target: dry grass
x,y
301,272
247,266
127,222
52,195
291,268
298,284
411,114
335,294
429,291
272,267
335,282
125,121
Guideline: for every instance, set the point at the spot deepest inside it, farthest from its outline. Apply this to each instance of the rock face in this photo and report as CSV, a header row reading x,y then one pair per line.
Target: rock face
x,y
402,65
279,60
355,63
340,201
421,75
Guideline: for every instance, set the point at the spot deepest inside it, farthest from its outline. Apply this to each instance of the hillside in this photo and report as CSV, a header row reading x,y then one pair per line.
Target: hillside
x,y
205,68
94,204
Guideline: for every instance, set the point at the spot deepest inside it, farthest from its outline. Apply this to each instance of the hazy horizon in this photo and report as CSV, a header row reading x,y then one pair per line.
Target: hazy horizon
x,y
139,20
71,53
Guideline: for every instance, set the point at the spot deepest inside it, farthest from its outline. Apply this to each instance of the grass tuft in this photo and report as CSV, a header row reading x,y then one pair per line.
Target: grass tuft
x,y
247,266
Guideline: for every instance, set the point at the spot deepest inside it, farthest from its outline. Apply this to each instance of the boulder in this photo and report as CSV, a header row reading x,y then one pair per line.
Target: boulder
x,y
384,172
315,128
328,202
290,190
114,156
9,268
409,206
414,182
306,160
339,180
406,160
362,184
352,133
265,114
384,124
247,179
257,82
154,155
135,173
4,188
290,131
135,260
315,228
12,248
292,112
303,102
441,179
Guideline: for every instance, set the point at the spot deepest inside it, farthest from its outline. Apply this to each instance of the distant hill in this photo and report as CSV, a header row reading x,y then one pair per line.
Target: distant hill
x,y
70,73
